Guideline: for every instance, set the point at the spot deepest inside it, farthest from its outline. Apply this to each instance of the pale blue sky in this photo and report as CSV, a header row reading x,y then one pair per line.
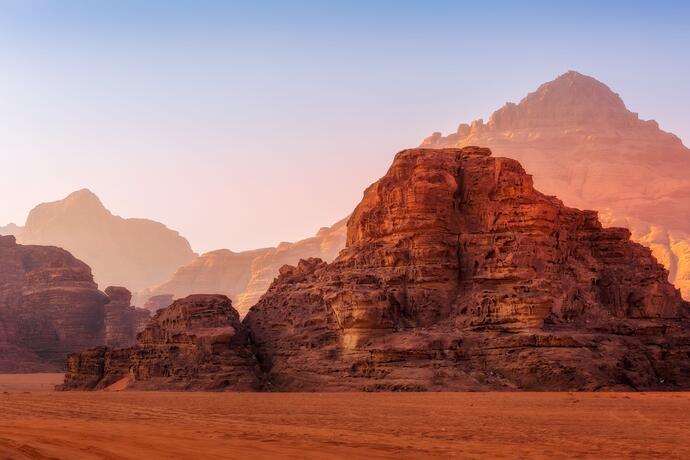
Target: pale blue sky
x,y
241,124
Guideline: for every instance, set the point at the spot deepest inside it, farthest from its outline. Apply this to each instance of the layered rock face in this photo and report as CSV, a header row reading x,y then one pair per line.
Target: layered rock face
x,y
135,253
49,306
122,320
582,144
459,275
197,343
245,276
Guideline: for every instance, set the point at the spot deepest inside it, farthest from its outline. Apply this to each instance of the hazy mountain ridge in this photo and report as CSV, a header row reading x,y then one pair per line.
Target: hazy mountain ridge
x,y
245,276
134,253
581,143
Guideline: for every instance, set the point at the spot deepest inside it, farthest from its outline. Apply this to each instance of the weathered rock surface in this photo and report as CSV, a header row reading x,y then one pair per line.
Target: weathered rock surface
x,y
459,275
122,320
135,253
49,306
245,276
197,343
582,144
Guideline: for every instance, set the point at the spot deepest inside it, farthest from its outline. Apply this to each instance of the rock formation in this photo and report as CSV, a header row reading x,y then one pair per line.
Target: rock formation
x,y
582,144
122,320
197,343
135,253
459,275
50,306
245,276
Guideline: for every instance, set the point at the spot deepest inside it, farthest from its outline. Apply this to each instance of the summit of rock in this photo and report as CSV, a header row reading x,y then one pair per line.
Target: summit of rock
x,y
580,142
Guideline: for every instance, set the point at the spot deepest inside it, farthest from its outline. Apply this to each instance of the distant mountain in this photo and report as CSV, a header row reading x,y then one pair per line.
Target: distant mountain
x,y
10,229
581,143
134,253
245,276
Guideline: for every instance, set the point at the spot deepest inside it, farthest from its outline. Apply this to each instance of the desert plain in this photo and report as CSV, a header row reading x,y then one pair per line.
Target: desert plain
x,y
38,423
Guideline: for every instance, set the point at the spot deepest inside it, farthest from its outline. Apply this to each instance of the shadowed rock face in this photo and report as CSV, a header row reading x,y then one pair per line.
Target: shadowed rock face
x,y
135,253
582,144
122,320
245,276
197,343
49,306
458,275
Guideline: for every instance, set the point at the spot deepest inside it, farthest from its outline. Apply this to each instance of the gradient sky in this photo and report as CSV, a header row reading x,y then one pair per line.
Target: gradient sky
x,y
243,124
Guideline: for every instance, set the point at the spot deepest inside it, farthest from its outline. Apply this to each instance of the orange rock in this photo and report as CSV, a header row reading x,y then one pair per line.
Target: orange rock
x,y
458,275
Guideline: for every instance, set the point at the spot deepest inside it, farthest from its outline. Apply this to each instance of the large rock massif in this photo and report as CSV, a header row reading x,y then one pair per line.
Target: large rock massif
x,y
197,343
457,275
245,276
135,253
582,144
50,306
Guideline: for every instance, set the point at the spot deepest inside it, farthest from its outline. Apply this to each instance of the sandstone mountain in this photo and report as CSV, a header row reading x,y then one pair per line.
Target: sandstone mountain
x,y
134,253
245,276
197,343
457,275
50,306
581,143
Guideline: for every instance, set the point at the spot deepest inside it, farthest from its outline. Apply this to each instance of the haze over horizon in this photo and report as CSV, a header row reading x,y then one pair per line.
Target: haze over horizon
x,y
242,126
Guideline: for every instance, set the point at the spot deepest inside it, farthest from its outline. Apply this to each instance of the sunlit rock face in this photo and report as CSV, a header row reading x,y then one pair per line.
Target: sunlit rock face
x,y
458,274
134,253
49,306
197,343
578,140
245,276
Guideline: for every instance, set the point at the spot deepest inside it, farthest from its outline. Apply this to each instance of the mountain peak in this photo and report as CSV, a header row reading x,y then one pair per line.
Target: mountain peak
x,y
85,196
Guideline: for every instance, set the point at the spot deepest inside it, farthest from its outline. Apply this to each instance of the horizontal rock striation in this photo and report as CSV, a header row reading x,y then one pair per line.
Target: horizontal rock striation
x,y
197,343
459,275
49,306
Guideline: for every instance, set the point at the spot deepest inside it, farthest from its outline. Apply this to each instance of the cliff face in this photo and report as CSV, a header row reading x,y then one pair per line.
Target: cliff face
x,y
582,144
245,276
197,343
50,306
135,253
457,275
122,320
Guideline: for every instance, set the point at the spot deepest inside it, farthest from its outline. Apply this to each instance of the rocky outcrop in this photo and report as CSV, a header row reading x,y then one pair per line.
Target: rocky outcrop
x,y
49,306
135,253
459,275
245,276
197,343
122,320
582,144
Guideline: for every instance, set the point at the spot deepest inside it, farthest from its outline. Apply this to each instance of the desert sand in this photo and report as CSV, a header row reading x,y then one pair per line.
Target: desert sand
x,y
36,423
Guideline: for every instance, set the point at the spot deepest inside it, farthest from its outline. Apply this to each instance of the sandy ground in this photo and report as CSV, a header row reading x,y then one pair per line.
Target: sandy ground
x,y
37,424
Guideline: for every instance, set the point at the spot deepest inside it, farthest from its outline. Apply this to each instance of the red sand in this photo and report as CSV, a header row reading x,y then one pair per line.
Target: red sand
x,y
117,425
